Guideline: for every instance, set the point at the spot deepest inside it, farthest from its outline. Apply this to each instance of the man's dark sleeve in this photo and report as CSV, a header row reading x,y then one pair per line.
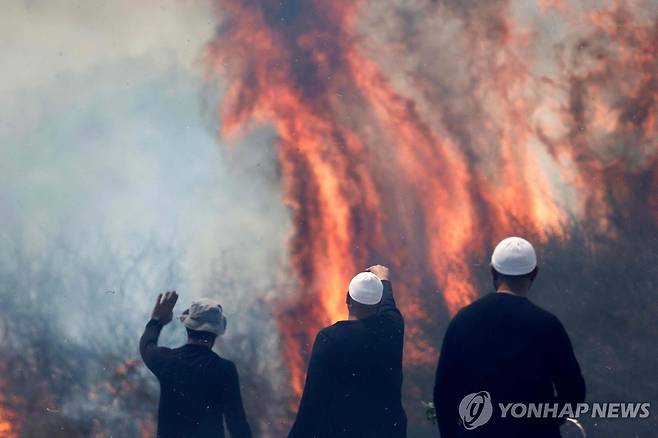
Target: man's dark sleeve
x,y
153,356
314,399
388,301
563,366
445,397
236,420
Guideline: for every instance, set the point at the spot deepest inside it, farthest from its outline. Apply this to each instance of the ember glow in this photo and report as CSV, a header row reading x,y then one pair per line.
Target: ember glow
x,y
10,423
385,159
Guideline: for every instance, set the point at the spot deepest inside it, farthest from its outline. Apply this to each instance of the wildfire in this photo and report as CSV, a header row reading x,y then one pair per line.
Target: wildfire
x,y
124,390
10,424
384,159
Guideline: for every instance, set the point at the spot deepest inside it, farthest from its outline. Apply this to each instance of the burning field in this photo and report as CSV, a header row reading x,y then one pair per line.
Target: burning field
x,y
416,134
421,133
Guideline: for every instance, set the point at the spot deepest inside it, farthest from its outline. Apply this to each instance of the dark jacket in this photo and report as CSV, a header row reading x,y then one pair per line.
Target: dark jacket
x,y
517,352
198,389
354,379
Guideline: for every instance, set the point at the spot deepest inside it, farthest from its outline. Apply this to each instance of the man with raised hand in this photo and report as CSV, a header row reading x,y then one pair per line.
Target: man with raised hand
x,y
354,379
198,388
504,349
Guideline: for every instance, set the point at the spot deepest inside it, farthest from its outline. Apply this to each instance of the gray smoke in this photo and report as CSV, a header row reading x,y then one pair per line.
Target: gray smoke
x,y
114,188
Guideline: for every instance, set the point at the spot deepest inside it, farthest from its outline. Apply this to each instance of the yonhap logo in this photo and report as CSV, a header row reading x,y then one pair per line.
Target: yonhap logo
x,y
475,409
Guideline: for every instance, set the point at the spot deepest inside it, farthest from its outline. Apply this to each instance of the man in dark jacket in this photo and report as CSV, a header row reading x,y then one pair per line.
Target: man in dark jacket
x,y
354,379
503,348
198,389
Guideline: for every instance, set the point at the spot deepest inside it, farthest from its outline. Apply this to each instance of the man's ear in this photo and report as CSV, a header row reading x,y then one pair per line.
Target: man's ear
x,y
533,274
494,278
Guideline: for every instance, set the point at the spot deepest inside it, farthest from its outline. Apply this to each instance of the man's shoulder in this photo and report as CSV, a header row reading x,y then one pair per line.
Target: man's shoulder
x,y
542,315
338,332
350,331
215,359
222,361
333,331
224,368
495,299
483,302
546,314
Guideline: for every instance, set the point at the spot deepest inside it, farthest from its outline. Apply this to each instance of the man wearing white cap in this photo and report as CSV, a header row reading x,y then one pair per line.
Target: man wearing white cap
x,y
198,389
509,347
354,379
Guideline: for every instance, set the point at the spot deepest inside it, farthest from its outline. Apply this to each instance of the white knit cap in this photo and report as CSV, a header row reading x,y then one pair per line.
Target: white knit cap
x,y
205,315
514,256
366,288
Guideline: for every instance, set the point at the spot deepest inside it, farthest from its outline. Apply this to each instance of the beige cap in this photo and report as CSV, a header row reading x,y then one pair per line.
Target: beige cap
x,y
205,315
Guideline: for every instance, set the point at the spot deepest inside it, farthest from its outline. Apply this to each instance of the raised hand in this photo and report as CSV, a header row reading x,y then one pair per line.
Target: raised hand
x,y
380,271
164,307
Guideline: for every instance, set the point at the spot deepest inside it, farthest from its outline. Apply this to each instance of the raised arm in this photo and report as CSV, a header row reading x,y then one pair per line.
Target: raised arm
x,y
236,420
388,301
163,313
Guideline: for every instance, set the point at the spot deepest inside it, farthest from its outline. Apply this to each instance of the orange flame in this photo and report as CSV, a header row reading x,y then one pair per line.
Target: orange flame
x,y
378,165
10,422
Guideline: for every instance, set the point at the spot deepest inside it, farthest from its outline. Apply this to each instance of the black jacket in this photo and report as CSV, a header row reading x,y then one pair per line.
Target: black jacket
x,y
514,350
198,389
354,379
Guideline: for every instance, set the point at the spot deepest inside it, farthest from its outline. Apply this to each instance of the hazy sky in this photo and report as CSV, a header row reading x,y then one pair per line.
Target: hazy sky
x,y
108,142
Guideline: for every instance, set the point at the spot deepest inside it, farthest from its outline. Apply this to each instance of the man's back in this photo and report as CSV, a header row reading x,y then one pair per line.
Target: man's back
x,y
511,348
366,361
198,389
354,380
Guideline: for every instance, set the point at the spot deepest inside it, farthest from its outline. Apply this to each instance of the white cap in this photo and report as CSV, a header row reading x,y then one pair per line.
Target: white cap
x,y
205,315
366,288
514,256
